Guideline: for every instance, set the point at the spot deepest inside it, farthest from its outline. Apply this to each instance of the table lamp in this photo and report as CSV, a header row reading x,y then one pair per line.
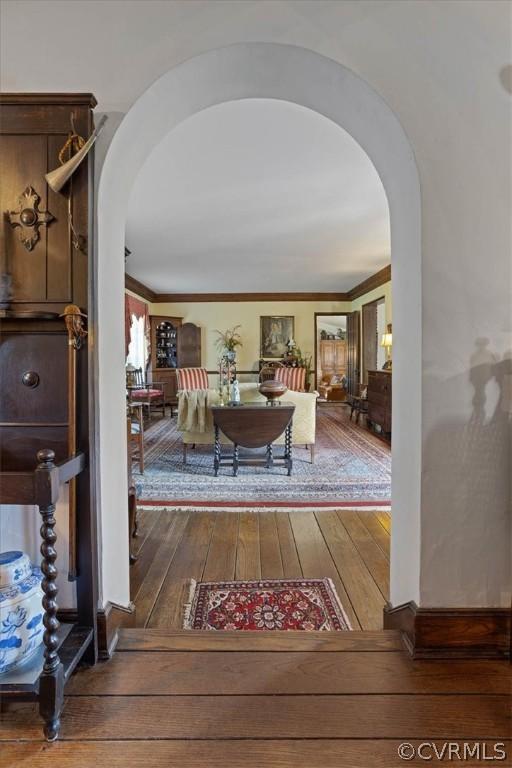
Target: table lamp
x,y
387,343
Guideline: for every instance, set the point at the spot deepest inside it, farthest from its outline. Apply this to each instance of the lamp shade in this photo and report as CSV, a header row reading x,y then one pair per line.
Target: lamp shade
x,y
387,338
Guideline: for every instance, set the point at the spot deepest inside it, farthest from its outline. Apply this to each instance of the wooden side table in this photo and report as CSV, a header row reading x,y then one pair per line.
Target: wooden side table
x,y
253,425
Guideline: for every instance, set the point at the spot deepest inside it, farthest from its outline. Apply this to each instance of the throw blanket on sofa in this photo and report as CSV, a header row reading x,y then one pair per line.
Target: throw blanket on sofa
x,y
194,409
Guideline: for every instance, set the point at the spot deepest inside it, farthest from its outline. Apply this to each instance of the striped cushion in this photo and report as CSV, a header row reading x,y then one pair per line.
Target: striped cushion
x,y
192,378
293,378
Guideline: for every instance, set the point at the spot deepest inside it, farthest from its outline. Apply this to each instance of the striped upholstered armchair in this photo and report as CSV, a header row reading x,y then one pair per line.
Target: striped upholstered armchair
x,y
293,378
192,378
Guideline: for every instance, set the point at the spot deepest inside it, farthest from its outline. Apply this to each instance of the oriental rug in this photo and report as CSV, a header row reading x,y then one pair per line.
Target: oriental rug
x,y
352,466
306,605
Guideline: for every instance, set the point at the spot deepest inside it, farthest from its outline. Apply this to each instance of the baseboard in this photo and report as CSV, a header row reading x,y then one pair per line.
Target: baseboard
x,y
462,633
110,619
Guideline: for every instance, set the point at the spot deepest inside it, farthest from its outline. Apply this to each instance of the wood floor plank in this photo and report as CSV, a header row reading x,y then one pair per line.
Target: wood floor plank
x,y
145,521
384,519
237,673
289,556
376,530
288,717
146,553
157,571
270,551
188,563
315,559
248,564
283,753
373,557
221,560
198,640
366,598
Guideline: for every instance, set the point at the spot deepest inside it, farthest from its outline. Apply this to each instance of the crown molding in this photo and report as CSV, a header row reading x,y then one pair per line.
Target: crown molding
x,y
375,281
139,288
238,297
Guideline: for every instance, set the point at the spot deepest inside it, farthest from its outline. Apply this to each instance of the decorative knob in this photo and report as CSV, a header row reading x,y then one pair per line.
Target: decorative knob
x,y
30,379
46,456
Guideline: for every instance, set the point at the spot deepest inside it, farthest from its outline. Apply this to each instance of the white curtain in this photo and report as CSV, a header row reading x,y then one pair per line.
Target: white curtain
x,y
137,349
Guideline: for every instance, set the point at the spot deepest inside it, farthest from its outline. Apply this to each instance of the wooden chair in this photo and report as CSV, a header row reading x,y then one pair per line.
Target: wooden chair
x,y
359,403
192,378
148,395
136,431
293,378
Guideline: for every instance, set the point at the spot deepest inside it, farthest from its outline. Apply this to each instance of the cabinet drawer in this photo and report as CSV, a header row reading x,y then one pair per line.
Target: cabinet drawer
x,y
380,398
379,383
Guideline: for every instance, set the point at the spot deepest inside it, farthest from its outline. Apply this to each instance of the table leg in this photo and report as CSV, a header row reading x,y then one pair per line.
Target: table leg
x,y
288,448
235,460
270,456
216,452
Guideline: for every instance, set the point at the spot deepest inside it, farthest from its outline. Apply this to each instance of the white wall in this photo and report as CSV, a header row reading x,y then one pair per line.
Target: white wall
x,y
437,65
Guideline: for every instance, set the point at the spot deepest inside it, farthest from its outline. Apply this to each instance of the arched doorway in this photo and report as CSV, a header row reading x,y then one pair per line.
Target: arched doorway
x,y
262,70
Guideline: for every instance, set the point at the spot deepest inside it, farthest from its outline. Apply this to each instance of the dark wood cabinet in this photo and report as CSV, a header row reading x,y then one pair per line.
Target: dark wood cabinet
x,y
53,271
379,400
47,405
174,344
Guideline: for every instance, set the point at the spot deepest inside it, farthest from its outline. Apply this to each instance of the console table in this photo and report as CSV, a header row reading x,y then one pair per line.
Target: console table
x,y
253,425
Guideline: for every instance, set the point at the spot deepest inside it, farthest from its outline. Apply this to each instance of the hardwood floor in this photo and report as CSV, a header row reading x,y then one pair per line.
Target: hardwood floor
x,y
264,700
350,547
195,699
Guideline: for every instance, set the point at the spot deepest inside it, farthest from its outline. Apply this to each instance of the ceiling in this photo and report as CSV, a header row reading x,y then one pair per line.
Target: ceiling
x,y
257,195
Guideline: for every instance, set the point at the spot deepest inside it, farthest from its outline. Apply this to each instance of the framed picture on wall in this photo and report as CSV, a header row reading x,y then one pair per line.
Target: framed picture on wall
x,y
275,333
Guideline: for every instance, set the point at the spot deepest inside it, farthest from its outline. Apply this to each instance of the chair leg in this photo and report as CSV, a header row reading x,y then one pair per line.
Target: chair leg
x,y
141,452
312,452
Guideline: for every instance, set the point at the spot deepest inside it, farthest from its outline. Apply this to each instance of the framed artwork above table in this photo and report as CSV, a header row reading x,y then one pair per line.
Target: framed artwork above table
x,y
275,333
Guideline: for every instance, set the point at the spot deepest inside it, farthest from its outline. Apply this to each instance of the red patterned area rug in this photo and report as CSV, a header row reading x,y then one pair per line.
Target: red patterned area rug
x,y
256,606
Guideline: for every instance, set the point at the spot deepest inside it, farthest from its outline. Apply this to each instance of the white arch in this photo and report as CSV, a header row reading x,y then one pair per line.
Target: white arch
x,y
265,70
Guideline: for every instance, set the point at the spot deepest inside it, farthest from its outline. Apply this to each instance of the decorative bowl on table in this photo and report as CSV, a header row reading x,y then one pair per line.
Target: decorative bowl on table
x,y
21,611
272,390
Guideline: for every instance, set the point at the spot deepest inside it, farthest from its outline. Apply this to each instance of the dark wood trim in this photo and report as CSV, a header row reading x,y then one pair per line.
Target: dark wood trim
x,y
111,619
139,288
84,99
363,338
375,281
451,632
238,297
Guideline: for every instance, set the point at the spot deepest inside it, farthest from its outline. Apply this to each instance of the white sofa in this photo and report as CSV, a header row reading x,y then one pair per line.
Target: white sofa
x,y
304,419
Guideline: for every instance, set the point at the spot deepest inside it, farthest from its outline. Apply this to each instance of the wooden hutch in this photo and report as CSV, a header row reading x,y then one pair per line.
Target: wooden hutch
x,y
47,407
174,344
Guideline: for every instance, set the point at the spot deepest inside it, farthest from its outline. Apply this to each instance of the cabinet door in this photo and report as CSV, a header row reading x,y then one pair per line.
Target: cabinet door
x,y
189,346
341,356
327,356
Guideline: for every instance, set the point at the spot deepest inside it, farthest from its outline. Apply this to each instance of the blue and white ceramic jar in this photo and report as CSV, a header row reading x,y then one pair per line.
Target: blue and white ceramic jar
x,y
21,611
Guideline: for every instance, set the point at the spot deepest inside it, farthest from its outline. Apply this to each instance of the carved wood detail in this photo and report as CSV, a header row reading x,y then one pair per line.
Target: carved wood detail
x,y
29,218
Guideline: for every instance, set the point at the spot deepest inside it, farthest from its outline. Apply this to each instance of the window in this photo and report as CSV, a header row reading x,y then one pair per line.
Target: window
x,y
137,349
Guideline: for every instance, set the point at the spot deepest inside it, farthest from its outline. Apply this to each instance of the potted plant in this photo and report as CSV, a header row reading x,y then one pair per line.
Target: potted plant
x,y
228,342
